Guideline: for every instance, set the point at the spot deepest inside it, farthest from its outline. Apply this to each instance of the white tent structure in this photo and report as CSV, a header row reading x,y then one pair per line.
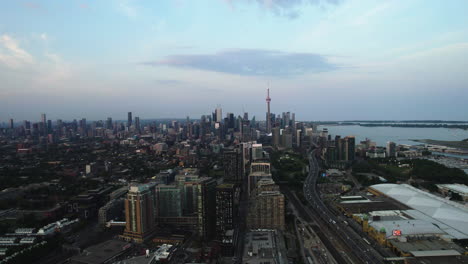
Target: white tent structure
x,y
449,216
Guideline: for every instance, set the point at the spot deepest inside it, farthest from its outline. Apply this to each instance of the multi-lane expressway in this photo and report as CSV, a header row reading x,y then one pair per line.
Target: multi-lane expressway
x,y
353,241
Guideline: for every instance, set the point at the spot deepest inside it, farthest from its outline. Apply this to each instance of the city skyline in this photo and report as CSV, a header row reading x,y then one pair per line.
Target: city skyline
x,y
371,59
55,118
233,131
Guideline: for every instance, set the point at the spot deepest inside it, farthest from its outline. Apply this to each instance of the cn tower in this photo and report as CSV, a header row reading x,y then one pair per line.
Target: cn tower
x,y
268,117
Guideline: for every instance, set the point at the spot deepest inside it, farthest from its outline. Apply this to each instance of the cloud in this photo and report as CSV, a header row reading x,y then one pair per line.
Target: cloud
x,y
364,19
54,69
253,62
11,54
127,8
32,5
168,82
182,47
284,8
44,68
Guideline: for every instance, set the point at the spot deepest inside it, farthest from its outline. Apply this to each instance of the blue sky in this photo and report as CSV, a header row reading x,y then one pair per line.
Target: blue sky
x,y
323,59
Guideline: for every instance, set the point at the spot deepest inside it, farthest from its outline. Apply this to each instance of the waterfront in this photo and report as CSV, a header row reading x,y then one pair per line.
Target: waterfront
x,y
399,135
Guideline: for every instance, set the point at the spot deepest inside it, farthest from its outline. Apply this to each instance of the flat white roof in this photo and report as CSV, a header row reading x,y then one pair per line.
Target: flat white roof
x,y
438,210
386,213
407,227
351,197
358,201
435,253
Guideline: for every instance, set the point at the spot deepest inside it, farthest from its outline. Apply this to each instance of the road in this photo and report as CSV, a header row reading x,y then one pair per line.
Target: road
x,y
313,246
322,230
354,242
301,243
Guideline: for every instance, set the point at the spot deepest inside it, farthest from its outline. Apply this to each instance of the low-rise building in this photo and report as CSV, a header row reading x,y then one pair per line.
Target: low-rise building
x,y
28,240
8,241
376,153
460,189
264,246
25,231
105,252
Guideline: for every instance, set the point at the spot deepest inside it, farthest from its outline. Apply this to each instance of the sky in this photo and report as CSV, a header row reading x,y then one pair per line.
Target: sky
x,y
322,59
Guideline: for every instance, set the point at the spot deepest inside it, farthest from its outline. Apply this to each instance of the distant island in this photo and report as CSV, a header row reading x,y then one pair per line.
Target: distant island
x,y
459,126
407,121
404,123
463,144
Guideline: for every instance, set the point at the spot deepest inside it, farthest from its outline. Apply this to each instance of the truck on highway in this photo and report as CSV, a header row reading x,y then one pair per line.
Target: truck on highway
x,y
365,240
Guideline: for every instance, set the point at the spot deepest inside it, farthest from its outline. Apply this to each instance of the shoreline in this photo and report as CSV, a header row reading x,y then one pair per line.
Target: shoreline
x,y
460,145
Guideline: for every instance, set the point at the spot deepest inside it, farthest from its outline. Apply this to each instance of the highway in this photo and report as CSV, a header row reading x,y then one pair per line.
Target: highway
x,y
322,231
354,242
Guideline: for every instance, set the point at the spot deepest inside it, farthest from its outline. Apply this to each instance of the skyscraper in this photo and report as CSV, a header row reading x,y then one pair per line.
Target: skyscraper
x,y
257,152
168,200
59,125
231,120
43,119
258,171
226,210
232,163
350,146
267,208
49,126
287,119
44,124
11,124
83,126
129,119
268,121
137,124
286,139
109,123
339,147
293,120
218,114
139,212
391,149
206,207
276,137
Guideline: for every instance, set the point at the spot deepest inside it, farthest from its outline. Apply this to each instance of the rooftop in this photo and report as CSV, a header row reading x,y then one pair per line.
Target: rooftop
x,y
225,186
433,208
459,188
141,187
426,248
264,247
407,227
101,253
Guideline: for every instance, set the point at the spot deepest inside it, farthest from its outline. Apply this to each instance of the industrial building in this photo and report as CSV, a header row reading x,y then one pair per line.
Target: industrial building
x,y
450,216
409,221
264,246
